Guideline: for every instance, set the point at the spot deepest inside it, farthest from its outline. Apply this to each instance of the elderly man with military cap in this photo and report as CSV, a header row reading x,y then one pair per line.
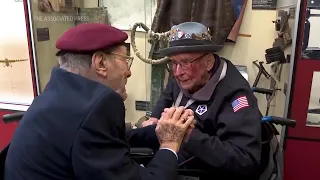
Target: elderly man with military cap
x,y
75,129
227,137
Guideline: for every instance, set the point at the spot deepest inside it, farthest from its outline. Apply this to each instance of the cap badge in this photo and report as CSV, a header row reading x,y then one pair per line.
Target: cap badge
x,y
180,34
188,36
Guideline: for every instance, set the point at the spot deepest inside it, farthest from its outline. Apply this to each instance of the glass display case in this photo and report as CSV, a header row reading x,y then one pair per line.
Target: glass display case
x,y
50,18
16,85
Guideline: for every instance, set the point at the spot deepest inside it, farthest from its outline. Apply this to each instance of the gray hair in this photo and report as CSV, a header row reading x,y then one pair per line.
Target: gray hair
x,y
78,62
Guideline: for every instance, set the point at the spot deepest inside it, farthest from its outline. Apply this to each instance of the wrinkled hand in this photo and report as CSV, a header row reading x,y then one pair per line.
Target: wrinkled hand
x,y
191,127
150,122
173,126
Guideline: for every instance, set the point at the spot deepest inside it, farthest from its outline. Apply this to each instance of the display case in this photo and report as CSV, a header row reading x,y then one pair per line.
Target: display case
x,y
17,85
50,18
16,82
304,103
311,51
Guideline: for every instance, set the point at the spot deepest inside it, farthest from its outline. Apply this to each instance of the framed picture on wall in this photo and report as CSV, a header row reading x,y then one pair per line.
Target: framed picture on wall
x,y
50,6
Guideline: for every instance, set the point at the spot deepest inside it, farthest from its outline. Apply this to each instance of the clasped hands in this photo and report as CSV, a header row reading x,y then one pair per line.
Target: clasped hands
x,y
174,127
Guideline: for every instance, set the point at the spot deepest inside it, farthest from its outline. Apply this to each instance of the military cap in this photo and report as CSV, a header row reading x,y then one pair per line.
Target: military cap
x,y
190,37
90,37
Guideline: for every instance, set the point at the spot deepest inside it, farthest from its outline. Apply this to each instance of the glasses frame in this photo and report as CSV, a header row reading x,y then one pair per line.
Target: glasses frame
x,y
129,59
184,65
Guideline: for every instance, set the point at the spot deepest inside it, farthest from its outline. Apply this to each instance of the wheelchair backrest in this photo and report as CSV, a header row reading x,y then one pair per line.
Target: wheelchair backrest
x,y
271,155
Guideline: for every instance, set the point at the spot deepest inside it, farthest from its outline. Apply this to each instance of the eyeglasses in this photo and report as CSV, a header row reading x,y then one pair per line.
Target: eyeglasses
x,y
183,64
128,59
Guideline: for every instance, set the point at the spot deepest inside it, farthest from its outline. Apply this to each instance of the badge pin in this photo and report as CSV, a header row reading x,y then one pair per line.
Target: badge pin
x,y
193,36
180,34
188,36
201,109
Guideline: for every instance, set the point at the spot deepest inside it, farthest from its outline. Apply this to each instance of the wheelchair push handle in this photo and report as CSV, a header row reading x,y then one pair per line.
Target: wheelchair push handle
x,y
14,117
262,90
280,121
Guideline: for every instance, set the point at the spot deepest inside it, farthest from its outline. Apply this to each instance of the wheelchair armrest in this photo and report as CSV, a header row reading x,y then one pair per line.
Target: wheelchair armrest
x,y
143,152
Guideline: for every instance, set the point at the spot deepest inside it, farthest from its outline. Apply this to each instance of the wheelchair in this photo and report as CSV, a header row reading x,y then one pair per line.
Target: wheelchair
x,y
270,149
143,155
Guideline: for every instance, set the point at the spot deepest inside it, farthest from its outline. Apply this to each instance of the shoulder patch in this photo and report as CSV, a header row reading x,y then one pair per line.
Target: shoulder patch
x,y
239,103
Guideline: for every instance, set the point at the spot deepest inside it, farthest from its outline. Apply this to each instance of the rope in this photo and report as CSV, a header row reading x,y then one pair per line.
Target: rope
x,y
152,35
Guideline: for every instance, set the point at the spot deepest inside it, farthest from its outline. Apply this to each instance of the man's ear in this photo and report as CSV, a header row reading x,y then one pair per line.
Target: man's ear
x,y
99,64
210,62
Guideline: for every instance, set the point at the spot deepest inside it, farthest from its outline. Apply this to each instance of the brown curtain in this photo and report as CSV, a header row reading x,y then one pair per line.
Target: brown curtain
x,y
218,15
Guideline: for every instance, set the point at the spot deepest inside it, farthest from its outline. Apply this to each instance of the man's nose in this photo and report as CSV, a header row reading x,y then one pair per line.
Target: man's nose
x,y
178,70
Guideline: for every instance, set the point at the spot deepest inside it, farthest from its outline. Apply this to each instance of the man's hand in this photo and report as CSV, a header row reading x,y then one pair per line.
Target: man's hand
x,y
191,127
172,127
149,122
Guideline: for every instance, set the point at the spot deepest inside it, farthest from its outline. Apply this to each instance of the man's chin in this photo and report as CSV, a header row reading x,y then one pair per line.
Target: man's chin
x,y
124,96
186,85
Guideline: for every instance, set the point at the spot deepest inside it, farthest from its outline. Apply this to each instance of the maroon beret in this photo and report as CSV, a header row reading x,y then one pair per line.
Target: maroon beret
x,y
89,37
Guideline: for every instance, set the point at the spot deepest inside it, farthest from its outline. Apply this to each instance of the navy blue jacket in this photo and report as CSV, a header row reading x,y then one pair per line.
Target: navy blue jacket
x,y
76,130
227,137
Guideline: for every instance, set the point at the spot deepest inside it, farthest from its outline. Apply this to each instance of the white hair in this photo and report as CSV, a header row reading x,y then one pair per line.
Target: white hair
x,y
75,62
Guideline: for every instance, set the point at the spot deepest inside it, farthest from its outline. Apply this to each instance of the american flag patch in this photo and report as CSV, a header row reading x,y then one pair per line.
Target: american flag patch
x,y
240,103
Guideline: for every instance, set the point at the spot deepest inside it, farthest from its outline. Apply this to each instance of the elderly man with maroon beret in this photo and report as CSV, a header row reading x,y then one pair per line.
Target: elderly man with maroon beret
x,y
75,129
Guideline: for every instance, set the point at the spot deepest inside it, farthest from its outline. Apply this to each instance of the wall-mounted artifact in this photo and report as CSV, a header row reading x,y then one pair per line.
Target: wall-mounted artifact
x,y
239,7
283,29
46,6
8,62
49,6
124,13
275,54
276,68
97,15
264,4
43,34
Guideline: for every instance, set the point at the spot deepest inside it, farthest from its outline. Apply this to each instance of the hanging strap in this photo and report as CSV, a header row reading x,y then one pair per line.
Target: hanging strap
x,y
178,101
